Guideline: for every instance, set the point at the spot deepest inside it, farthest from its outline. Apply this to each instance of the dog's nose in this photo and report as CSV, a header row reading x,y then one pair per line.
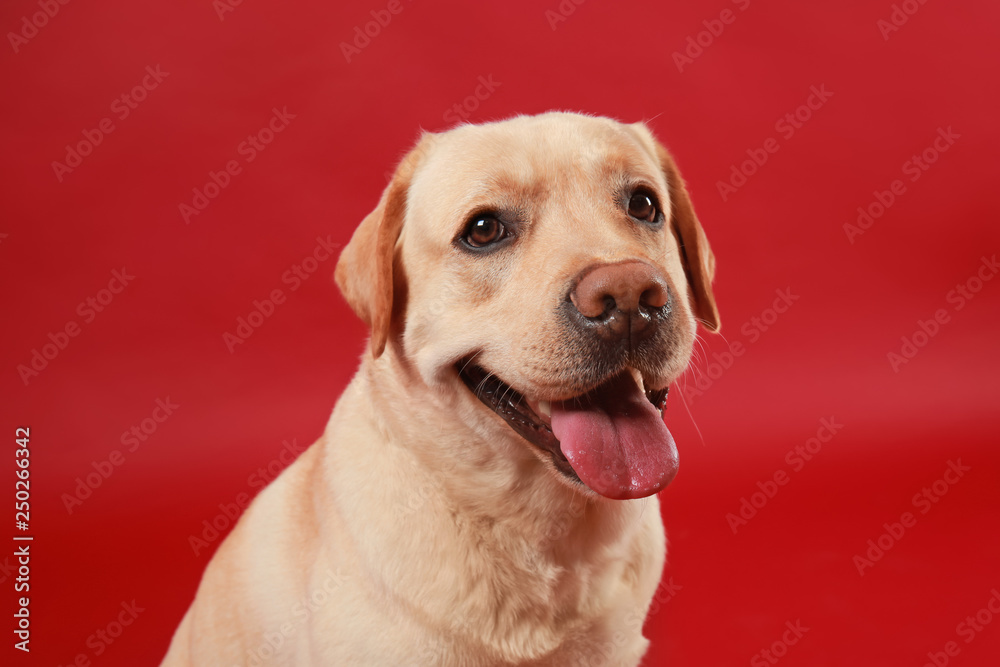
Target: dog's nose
x,y
622,300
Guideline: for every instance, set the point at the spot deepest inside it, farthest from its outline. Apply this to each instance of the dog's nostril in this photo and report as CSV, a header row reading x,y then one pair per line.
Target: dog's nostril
x,y
592,303
655,296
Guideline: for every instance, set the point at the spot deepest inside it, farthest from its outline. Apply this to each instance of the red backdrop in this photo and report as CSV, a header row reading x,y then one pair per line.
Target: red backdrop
x,y
868,344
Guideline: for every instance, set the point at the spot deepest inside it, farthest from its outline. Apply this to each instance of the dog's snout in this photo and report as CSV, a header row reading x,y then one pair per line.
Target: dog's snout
x,y
621,300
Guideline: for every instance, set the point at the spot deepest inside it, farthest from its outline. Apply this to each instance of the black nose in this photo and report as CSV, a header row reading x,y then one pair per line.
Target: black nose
x,y
619,301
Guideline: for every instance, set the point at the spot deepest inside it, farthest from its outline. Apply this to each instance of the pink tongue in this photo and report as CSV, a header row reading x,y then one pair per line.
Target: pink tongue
x,y
617,442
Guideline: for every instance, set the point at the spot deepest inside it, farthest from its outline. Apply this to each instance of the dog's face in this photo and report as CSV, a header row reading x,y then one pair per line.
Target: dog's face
x,y
553,266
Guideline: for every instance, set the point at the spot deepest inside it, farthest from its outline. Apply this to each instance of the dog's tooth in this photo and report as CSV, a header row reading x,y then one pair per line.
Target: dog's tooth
x,y
638,378
545,408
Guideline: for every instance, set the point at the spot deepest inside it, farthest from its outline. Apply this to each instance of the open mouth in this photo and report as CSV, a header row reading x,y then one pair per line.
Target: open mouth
x,y
612,439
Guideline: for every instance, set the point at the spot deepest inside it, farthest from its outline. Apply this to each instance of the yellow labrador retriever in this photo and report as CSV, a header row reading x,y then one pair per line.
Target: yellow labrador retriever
x,y
484,493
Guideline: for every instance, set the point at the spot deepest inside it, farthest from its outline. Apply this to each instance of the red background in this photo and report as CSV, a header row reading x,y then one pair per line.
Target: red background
x,y
825,357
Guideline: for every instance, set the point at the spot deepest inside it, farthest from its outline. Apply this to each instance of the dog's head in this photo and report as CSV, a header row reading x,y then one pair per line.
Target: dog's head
x,y
554,266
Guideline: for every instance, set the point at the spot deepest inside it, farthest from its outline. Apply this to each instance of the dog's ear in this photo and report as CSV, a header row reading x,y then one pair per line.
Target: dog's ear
x,y
364,270
699,262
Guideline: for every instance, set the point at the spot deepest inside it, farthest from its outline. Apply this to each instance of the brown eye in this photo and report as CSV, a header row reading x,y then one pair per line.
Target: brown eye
x,y
641,207
484,230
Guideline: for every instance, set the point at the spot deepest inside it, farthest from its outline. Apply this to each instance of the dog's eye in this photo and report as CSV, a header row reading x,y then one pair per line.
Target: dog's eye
x,y
642,207
484,230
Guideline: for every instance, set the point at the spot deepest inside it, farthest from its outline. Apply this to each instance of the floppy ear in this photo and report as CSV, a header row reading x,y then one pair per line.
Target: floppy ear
x,y
364,270
699,262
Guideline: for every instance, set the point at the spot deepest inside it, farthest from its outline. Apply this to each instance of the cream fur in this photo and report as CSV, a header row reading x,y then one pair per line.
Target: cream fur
x,y
420,529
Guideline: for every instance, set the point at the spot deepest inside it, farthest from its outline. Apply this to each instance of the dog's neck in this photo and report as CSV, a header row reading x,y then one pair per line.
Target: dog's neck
x,y
456,471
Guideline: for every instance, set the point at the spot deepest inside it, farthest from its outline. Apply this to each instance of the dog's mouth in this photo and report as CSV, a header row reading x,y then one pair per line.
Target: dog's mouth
x,y
612,438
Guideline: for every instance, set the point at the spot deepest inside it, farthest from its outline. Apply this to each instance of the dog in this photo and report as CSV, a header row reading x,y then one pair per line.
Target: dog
x,y
484,492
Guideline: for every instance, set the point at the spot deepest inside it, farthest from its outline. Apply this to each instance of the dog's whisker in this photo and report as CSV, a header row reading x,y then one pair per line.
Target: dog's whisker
x,y
694,368
469,361
507,390
722,336
700,353
691,416
482,383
